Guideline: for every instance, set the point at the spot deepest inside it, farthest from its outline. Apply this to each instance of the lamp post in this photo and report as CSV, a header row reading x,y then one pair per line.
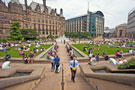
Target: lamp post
x,y
79,37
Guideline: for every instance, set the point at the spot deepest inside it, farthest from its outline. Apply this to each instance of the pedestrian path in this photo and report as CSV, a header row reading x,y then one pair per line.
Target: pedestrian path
x,y
52,81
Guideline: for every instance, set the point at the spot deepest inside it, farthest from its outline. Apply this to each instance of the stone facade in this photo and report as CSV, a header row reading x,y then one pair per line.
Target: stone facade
x,y
45,20
121,31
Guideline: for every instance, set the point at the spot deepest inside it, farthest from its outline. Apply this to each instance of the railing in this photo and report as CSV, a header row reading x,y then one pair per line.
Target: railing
x,y
62,83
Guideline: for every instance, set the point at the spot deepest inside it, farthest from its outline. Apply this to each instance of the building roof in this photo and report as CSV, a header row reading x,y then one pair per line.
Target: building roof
x,y
34,4
109,30
15,1
131,11
124,24
24,7
99,13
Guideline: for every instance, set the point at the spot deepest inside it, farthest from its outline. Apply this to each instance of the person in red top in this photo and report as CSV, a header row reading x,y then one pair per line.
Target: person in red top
x,y
117,54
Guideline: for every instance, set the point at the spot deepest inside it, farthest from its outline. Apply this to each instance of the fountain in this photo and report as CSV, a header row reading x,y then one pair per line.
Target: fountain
x,y
62,39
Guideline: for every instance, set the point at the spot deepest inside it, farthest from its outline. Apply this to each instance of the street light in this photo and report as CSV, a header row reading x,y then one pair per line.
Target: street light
x,y
79,37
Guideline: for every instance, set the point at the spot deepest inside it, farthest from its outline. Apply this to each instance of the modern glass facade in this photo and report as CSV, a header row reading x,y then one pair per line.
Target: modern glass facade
x,y
91,22
131,24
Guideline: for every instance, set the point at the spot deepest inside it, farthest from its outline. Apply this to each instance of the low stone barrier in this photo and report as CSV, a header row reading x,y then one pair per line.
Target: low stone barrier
x,y
107,81
35,76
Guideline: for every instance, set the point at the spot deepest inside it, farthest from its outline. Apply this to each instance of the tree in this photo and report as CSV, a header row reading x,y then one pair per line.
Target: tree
x,y
15,31
29,34
50,37
80,35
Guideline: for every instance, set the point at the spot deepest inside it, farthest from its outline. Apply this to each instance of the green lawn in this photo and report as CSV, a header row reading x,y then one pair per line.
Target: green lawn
x,y
15,53
110,51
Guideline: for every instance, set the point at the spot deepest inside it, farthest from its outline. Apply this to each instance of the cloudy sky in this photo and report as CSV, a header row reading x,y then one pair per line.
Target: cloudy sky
x,y
115,11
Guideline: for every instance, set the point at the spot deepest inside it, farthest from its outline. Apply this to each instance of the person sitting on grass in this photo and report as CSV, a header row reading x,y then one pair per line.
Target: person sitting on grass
x,y
121,53
90,50
121,61
92,61
21,53
84,49
134,52
123,46
105,55
4,49
117,54
130,51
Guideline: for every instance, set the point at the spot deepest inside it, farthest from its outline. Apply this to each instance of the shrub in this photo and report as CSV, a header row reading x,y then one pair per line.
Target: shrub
x,y
129,65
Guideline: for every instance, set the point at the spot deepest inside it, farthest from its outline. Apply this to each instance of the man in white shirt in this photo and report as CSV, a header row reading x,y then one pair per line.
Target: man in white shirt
x,y
130,51
73,66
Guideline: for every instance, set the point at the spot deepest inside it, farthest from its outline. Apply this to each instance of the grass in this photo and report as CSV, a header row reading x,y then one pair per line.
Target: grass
x,y
14,53
110,51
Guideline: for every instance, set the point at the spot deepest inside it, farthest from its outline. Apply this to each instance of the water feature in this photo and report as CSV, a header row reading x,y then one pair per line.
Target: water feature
x,y
46,54
113,72
62,38
77,53
18,74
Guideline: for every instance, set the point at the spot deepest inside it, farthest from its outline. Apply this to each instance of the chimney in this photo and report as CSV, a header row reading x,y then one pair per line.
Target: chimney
x,y
55,10
61,11
26,4
44,3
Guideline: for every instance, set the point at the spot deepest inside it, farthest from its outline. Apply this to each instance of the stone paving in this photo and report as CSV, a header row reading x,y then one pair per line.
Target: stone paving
x,y
52,81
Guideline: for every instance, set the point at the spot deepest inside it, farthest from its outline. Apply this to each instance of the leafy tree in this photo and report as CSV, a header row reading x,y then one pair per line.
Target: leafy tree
x,y
50,37
56,36
80,35
29,34
15,31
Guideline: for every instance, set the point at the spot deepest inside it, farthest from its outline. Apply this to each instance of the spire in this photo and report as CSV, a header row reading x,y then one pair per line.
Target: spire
x,y
61,12
26,4
88,7
44,3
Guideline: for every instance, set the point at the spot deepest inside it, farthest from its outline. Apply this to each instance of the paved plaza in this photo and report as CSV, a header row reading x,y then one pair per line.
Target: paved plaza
x,y
52,81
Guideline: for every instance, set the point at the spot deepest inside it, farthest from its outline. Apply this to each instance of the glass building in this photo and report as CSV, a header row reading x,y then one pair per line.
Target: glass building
x,y
131,24
91,22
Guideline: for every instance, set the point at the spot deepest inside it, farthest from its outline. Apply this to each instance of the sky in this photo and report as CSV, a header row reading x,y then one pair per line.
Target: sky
x,y
115,11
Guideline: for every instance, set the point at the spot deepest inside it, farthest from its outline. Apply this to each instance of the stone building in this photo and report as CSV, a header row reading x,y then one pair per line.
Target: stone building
x,y
109,32
121,31
45,20
131,24
90,22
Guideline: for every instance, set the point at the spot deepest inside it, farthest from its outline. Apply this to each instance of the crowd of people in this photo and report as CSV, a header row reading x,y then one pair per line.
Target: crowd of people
x,y
73,62
119,53
26,50
55,59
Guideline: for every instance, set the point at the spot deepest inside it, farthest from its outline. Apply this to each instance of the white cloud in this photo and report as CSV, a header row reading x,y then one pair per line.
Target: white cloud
x,y
115,11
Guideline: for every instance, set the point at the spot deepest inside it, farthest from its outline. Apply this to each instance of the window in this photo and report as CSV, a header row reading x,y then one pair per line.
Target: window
x,y
1,32
47,29
38,20
42,21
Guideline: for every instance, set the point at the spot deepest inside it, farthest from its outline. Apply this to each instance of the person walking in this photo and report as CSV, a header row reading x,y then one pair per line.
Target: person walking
x,y
57,62
73,66
52,63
